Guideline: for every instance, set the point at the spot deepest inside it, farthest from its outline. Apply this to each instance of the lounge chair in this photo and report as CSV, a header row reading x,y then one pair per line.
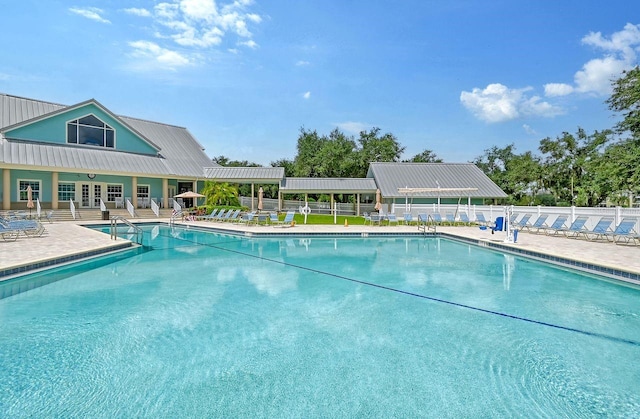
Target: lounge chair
x,y
30,228
520,224
539,223
8,233
423,218
481,221
209,216
262,219
464,219
230,216
273,218
376,218
575,228
600,231
555,227
288,219
220,215
408,218
391,218
624,231
367,218
450,218
246,218
437,218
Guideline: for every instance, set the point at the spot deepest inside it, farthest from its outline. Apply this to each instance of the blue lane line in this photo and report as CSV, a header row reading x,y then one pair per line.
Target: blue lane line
x,y
426,297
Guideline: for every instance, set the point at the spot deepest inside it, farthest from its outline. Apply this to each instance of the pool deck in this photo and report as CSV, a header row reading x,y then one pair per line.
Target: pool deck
x,y
69,241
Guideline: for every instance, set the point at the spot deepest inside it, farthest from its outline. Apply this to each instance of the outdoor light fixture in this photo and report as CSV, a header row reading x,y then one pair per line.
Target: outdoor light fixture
x,y
91,175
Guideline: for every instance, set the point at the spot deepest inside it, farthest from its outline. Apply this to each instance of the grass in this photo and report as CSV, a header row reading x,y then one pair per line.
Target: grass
x,y
328,219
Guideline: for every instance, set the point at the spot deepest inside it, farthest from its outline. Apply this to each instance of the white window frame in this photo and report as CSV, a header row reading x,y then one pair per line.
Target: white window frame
x,y
78,125
36,192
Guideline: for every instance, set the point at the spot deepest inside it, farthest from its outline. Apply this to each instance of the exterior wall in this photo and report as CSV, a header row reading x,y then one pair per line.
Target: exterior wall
x,y
54,130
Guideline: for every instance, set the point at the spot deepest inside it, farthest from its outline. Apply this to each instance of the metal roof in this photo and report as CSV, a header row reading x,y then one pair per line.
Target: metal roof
x,y
328,185
180,153
245,174
445,179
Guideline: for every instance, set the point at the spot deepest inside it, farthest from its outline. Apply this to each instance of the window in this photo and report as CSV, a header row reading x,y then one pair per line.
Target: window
x,y
143,192
66,191
89,130
22,188
113,192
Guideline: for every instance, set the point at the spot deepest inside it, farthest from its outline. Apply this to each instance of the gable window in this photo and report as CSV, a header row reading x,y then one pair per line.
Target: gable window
x,y
89,130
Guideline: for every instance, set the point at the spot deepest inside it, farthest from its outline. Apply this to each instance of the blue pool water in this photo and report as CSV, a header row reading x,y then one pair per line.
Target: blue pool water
x,y
212,325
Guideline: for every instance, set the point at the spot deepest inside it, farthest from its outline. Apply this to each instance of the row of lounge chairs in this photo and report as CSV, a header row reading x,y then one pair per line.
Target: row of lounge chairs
x,y
605,229
11,229
250,218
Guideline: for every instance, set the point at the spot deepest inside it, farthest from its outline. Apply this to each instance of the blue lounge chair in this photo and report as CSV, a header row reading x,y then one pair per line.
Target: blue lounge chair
x,y
376,218
521,223
555,227
575,228
30,228
220,215
464,219
210,216
625,231
233,216
247,218
391,218
481,220
288,219
449,219
423,219
539,223
408,218
8,233
367,218
600,231
437,218
273,218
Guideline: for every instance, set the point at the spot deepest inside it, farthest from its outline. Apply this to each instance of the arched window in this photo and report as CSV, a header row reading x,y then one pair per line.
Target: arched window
x,y
89,130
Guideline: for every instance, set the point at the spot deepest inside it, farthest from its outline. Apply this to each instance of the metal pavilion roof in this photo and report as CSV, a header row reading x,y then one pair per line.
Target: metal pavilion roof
x,y
328,185
245,174
446,180
180,154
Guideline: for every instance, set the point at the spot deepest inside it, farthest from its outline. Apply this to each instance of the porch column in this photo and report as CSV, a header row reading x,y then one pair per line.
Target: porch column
x,y
279,200
331,204
358,204
252,195
54,190
165,193
134,191
6,189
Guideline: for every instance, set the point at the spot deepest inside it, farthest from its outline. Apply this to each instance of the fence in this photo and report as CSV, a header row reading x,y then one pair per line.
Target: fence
x,y
270,204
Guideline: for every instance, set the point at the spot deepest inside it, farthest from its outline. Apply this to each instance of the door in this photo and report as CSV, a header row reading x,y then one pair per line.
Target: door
x,y
90,194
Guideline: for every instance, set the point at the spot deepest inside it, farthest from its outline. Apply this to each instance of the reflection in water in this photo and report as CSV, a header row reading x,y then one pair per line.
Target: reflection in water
x,y
508,268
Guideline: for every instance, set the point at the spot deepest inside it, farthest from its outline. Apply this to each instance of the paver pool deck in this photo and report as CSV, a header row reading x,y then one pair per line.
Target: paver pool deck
x,y
68,240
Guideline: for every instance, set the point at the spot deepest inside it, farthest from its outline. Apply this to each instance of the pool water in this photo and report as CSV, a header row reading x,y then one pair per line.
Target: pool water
x,y
214,325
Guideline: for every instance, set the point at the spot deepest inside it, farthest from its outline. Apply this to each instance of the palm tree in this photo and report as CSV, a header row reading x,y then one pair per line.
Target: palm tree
x,y
220,193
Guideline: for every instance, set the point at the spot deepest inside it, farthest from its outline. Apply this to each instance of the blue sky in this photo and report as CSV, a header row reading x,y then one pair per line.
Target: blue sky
x,y
455,77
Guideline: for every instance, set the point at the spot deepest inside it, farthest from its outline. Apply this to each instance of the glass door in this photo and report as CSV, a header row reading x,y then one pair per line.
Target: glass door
x,y
90,194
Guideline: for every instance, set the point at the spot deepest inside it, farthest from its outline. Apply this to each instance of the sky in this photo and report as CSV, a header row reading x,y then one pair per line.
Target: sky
x,y
245,76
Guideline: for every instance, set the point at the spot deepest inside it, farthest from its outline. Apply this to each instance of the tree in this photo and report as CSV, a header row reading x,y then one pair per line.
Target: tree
x,y
626,99
426,156
220,193
376,148
570,163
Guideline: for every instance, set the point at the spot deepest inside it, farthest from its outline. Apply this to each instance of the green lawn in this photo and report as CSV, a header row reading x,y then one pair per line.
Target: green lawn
x,y
327,219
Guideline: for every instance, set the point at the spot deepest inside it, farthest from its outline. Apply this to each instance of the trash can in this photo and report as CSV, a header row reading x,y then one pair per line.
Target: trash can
x,y
105,215
515,236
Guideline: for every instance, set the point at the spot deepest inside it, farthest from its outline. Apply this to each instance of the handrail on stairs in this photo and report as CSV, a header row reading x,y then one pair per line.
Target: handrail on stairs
x,y
114,228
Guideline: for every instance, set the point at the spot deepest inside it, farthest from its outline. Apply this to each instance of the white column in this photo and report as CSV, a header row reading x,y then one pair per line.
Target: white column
x,y
54,190
134,191
165,193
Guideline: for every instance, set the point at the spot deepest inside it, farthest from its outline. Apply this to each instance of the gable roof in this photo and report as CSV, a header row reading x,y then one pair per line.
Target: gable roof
x,y
451,180
179,153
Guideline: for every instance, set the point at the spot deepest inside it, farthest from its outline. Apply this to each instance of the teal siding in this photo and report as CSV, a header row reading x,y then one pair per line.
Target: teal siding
x,y
54,130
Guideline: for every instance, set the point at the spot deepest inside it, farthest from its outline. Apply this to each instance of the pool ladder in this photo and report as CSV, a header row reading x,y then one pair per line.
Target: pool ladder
x,y
429,225
136,230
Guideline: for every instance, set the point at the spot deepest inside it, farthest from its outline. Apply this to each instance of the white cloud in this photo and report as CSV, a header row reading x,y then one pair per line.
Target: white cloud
x,y
137,12
351,127
557,89
306,95
596,75
161,57
92,13
498,103
302,63
203,24
527,128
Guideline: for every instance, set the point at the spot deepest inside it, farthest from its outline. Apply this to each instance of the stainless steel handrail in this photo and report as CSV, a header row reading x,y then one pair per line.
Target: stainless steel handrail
x,y
114,228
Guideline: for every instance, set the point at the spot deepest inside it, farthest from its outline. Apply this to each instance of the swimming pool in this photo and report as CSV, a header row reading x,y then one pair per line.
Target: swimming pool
x,y
210,324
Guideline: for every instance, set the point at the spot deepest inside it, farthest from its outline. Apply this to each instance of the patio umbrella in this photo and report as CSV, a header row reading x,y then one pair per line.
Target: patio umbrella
x,y
378,205
260,196
29,199
190,194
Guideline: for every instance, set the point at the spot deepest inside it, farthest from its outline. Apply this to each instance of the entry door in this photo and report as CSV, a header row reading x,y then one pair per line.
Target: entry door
x,y
90,194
